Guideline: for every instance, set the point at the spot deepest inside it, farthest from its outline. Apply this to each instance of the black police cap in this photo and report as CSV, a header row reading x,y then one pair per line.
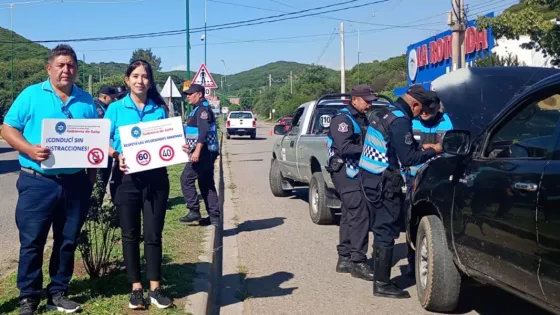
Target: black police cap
x,y
108,90
364,91
194,88
429,99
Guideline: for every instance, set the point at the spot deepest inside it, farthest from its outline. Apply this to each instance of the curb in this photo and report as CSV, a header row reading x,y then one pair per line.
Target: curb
x,y
204,298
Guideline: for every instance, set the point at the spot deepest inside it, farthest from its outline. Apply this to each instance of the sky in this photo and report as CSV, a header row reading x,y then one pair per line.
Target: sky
x,y
385,29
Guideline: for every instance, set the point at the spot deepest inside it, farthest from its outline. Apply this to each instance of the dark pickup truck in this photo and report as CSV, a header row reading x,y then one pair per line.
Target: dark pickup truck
x,y
489,207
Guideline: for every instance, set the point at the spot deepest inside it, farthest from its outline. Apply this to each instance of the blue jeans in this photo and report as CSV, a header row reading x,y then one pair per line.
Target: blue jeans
x,y
62,203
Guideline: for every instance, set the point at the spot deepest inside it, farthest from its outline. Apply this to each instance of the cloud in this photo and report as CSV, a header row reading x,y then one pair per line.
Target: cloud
x,y
179,68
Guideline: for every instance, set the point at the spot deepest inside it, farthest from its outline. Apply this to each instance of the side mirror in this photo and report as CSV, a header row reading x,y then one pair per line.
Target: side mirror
x,y
279,130
456,142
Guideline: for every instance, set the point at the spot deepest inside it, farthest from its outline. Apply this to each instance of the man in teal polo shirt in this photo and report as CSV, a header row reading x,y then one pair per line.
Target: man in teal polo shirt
x,y
56,197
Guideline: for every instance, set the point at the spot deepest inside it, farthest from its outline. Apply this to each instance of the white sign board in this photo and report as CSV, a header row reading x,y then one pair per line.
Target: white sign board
x,y
204,78
153,144
170,89
225,110
76,143
207,92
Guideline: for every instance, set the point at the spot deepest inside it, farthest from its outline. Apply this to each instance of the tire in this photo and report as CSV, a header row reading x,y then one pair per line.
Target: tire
x,y
228,136
275,180
318,210
253,135
439,291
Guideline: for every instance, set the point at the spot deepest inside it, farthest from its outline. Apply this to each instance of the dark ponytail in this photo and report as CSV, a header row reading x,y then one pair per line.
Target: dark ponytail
x,y
153,94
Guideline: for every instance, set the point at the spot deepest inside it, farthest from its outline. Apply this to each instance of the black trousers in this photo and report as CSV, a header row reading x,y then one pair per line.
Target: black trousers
x,y
142,194
203,171
386,212
354,225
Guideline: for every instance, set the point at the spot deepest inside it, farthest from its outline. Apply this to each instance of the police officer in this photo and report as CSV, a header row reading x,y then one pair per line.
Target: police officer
x,y
388,148
428,128
106,95
58,197
202,140
345,142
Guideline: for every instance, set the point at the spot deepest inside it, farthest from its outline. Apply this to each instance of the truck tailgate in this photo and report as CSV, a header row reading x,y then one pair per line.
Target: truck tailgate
x,y
241,122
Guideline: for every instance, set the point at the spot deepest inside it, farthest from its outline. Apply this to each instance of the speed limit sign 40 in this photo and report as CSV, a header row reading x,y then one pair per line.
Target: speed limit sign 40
x,y
166,153
143,157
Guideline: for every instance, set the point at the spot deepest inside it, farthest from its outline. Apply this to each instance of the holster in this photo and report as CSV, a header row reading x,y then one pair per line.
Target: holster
x,y
335,164
391,183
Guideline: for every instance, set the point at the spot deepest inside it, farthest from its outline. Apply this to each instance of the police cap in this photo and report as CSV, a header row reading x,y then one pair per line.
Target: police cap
x,y
108,90
194,88
364,91
429,99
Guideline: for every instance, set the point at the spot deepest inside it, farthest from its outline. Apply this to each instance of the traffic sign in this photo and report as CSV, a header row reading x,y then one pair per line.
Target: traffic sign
x,y
95,156
166,153
204,78
143,157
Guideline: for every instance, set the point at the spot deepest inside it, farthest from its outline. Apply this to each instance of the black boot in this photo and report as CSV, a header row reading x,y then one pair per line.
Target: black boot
x,y
410,269
193,216
382,286
343,265
362,270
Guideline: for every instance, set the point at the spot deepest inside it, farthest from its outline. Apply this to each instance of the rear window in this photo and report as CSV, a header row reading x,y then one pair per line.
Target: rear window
x,y
241,115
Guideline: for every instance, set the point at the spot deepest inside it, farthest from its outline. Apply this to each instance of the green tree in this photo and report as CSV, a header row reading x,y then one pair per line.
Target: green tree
x,y
148,55
531,18
494,60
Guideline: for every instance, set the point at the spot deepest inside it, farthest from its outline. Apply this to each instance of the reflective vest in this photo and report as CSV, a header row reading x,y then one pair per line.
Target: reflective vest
x,y
431,135
374,157
351,164
191,132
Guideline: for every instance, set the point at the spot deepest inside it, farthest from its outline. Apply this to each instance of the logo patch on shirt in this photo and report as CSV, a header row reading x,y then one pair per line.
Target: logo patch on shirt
x,y
408,139
204,115
343,127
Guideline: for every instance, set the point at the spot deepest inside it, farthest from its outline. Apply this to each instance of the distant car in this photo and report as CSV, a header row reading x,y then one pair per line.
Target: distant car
x,y
489,207
241,123
285,121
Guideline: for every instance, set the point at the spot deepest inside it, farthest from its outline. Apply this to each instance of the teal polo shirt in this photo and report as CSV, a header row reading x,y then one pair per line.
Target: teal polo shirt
x,y
124,112
37,102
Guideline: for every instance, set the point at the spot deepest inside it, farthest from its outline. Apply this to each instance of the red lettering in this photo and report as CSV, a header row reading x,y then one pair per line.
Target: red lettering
x,y
441,49
425,54
482,41
447,46
433,52
470,38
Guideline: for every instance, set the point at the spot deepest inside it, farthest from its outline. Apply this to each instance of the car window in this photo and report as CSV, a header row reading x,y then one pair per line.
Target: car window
x,y
296,121
321,120
529,132
241,116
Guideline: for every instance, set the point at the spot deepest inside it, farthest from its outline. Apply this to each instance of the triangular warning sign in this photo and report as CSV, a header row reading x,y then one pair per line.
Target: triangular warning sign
x,y
204,78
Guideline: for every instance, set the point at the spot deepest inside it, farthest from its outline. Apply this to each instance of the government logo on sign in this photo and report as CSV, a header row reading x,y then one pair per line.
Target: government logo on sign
x,y
412,64
136,132
60,127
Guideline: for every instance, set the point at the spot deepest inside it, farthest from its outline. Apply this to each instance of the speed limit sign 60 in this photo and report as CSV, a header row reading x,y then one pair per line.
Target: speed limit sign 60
x,y
143,157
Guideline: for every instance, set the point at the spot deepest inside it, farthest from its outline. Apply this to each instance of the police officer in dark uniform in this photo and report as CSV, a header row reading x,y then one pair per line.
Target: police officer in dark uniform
x,y
107,95
428,128
345,142
202,141
389,147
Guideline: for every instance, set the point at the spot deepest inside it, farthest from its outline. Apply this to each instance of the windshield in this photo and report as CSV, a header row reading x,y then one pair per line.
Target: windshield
x,y
472,97
241,115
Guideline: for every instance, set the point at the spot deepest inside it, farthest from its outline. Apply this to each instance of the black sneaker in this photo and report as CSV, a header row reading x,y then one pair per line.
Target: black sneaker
x,y
60,302
159,299
137,301
28,306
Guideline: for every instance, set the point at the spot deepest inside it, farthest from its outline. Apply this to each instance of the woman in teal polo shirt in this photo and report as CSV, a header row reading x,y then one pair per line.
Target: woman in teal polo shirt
x,y
143,193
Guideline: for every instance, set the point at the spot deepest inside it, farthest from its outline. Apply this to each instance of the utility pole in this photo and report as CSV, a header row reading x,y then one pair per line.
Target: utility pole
x,y
342,65
291,83
463,16
12,35
188,75
84,72
269,79
457,23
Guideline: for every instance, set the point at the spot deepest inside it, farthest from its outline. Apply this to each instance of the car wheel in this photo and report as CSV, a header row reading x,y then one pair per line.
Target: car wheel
x,y
438,281
275,178
318,210
253,135
228,136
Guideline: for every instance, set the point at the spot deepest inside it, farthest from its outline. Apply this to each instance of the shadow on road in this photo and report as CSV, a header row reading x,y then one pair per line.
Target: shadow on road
x,y
260,287
245,138
249,153
255,225
249,160
9,166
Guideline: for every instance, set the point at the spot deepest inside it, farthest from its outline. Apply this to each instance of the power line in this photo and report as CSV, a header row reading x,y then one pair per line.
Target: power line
x,y
210,28
326,46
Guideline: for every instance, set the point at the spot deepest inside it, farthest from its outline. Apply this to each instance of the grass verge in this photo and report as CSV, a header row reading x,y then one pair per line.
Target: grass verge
x,y
181,248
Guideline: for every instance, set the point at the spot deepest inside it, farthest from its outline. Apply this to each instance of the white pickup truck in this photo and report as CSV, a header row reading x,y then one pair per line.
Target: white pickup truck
x,y
299,156
241,123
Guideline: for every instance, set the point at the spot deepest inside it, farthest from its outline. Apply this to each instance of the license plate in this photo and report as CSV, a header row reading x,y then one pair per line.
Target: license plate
x,y
240,129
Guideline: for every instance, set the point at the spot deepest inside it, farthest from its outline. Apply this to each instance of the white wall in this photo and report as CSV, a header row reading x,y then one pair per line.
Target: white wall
x,y
530,57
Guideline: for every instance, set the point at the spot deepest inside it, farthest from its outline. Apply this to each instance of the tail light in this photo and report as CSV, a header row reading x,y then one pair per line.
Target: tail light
x,y
228,124
254,124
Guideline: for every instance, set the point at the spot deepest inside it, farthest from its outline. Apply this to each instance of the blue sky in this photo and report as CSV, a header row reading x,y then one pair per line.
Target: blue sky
x,y
301,40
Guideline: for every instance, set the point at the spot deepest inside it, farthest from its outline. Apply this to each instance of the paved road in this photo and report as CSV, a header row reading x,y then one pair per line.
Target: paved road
x,y
9,240
291,261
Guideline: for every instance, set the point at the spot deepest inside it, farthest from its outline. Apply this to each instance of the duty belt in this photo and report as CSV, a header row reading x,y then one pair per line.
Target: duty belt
x,y
57,176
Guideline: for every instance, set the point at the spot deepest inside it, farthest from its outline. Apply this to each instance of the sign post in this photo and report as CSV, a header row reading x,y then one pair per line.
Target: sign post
x,y
76,143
